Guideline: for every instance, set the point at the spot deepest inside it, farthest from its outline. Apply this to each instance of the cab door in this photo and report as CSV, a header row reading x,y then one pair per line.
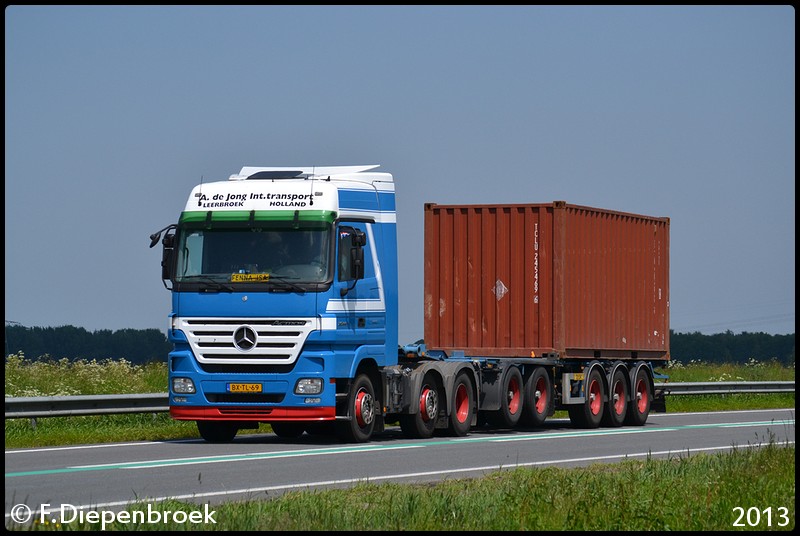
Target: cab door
x,y
357,283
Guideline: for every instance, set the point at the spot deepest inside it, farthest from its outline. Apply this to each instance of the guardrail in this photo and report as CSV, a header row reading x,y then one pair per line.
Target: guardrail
x,y
66,406
725,388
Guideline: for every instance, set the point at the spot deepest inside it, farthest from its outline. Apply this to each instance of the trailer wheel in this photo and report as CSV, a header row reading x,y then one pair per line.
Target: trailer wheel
x,y
288,430
538,394
511,400
617,407
462,406
422,424
217,431
590,413
641,396
361,407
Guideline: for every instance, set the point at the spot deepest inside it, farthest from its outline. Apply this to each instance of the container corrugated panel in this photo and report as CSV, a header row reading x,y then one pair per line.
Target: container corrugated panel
x,y
532,280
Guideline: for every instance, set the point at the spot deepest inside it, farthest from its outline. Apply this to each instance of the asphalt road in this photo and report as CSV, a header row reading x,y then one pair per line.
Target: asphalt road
x,y
109,476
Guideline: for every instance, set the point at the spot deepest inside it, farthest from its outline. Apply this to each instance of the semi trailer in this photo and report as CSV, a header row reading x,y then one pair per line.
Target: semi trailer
x,y
284,288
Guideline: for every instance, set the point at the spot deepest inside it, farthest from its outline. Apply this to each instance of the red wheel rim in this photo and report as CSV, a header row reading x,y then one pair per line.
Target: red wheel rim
x,y
427,403
641,396
541,396
595,399
363,408
461,408
619,398
514,396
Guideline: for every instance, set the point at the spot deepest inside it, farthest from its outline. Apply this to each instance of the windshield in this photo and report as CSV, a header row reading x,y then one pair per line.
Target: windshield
x,y
273,252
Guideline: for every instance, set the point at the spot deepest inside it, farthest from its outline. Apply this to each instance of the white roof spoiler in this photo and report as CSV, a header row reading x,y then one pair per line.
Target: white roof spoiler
x,y
294,172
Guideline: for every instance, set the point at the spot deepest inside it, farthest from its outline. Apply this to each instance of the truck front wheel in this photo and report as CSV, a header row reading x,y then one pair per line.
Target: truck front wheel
x,y
361,408
217,431
288,430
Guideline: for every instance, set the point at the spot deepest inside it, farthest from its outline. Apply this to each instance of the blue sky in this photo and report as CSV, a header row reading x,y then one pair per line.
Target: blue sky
x,y
113,113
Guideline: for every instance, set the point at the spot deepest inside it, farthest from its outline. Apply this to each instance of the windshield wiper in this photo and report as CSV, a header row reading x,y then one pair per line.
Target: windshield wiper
x,y
278,283
279,279
212,284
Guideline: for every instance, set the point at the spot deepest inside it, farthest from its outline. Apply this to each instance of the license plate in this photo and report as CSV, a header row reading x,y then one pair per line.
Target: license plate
x,y
244,387
243,278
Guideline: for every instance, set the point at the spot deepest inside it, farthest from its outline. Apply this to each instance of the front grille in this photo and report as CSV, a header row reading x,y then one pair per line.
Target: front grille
x,y
246,341
246,369
244,411
237,398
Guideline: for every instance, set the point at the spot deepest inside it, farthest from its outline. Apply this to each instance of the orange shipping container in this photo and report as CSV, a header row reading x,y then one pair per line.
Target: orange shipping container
x,y
536,280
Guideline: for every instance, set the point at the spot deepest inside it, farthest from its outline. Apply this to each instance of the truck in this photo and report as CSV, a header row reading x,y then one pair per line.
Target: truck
x,y
284,289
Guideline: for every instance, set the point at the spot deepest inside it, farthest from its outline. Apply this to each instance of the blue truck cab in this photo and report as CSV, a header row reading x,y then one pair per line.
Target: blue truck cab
x,y
284,300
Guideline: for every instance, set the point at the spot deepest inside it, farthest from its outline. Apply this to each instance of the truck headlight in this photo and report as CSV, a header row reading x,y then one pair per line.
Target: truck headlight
x,y
183,386
308,386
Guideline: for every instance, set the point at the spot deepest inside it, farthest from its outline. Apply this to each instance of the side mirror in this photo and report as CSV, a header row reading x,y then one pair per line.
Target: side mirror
x,y
357,261
168,242
155,236
359,238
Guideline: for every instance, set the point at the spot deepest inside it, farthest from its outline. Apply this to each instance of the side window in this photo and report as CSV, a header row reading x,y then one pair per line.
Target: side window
x,y
345,245
351,257
191,255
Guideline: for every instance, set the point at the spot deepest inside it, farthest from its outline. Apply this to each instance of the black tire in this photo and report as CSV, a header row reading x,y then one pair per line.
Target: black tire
x,y
323,428
641,396
217,431
511,400
617,406
538,397
422,424
462,406
288,430
590,413
361,412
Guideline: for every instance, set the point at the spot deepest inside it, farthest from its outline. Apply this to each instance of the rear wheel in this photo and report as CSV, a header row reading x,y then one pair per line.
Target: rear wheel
x,y
511,401
361,408
641,395
422,423
590,413
217,431
538,394
617,407
462,406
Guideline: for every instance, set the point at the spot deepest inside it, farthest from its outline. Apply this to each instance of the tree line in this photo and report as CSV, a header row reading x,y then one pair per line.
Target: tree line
x,y
732,347
141,346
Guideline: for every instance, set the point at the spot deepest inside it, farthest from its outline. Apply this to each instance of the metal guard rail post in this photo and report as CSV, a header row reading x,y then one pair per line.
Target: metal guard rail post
x,y
66,406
